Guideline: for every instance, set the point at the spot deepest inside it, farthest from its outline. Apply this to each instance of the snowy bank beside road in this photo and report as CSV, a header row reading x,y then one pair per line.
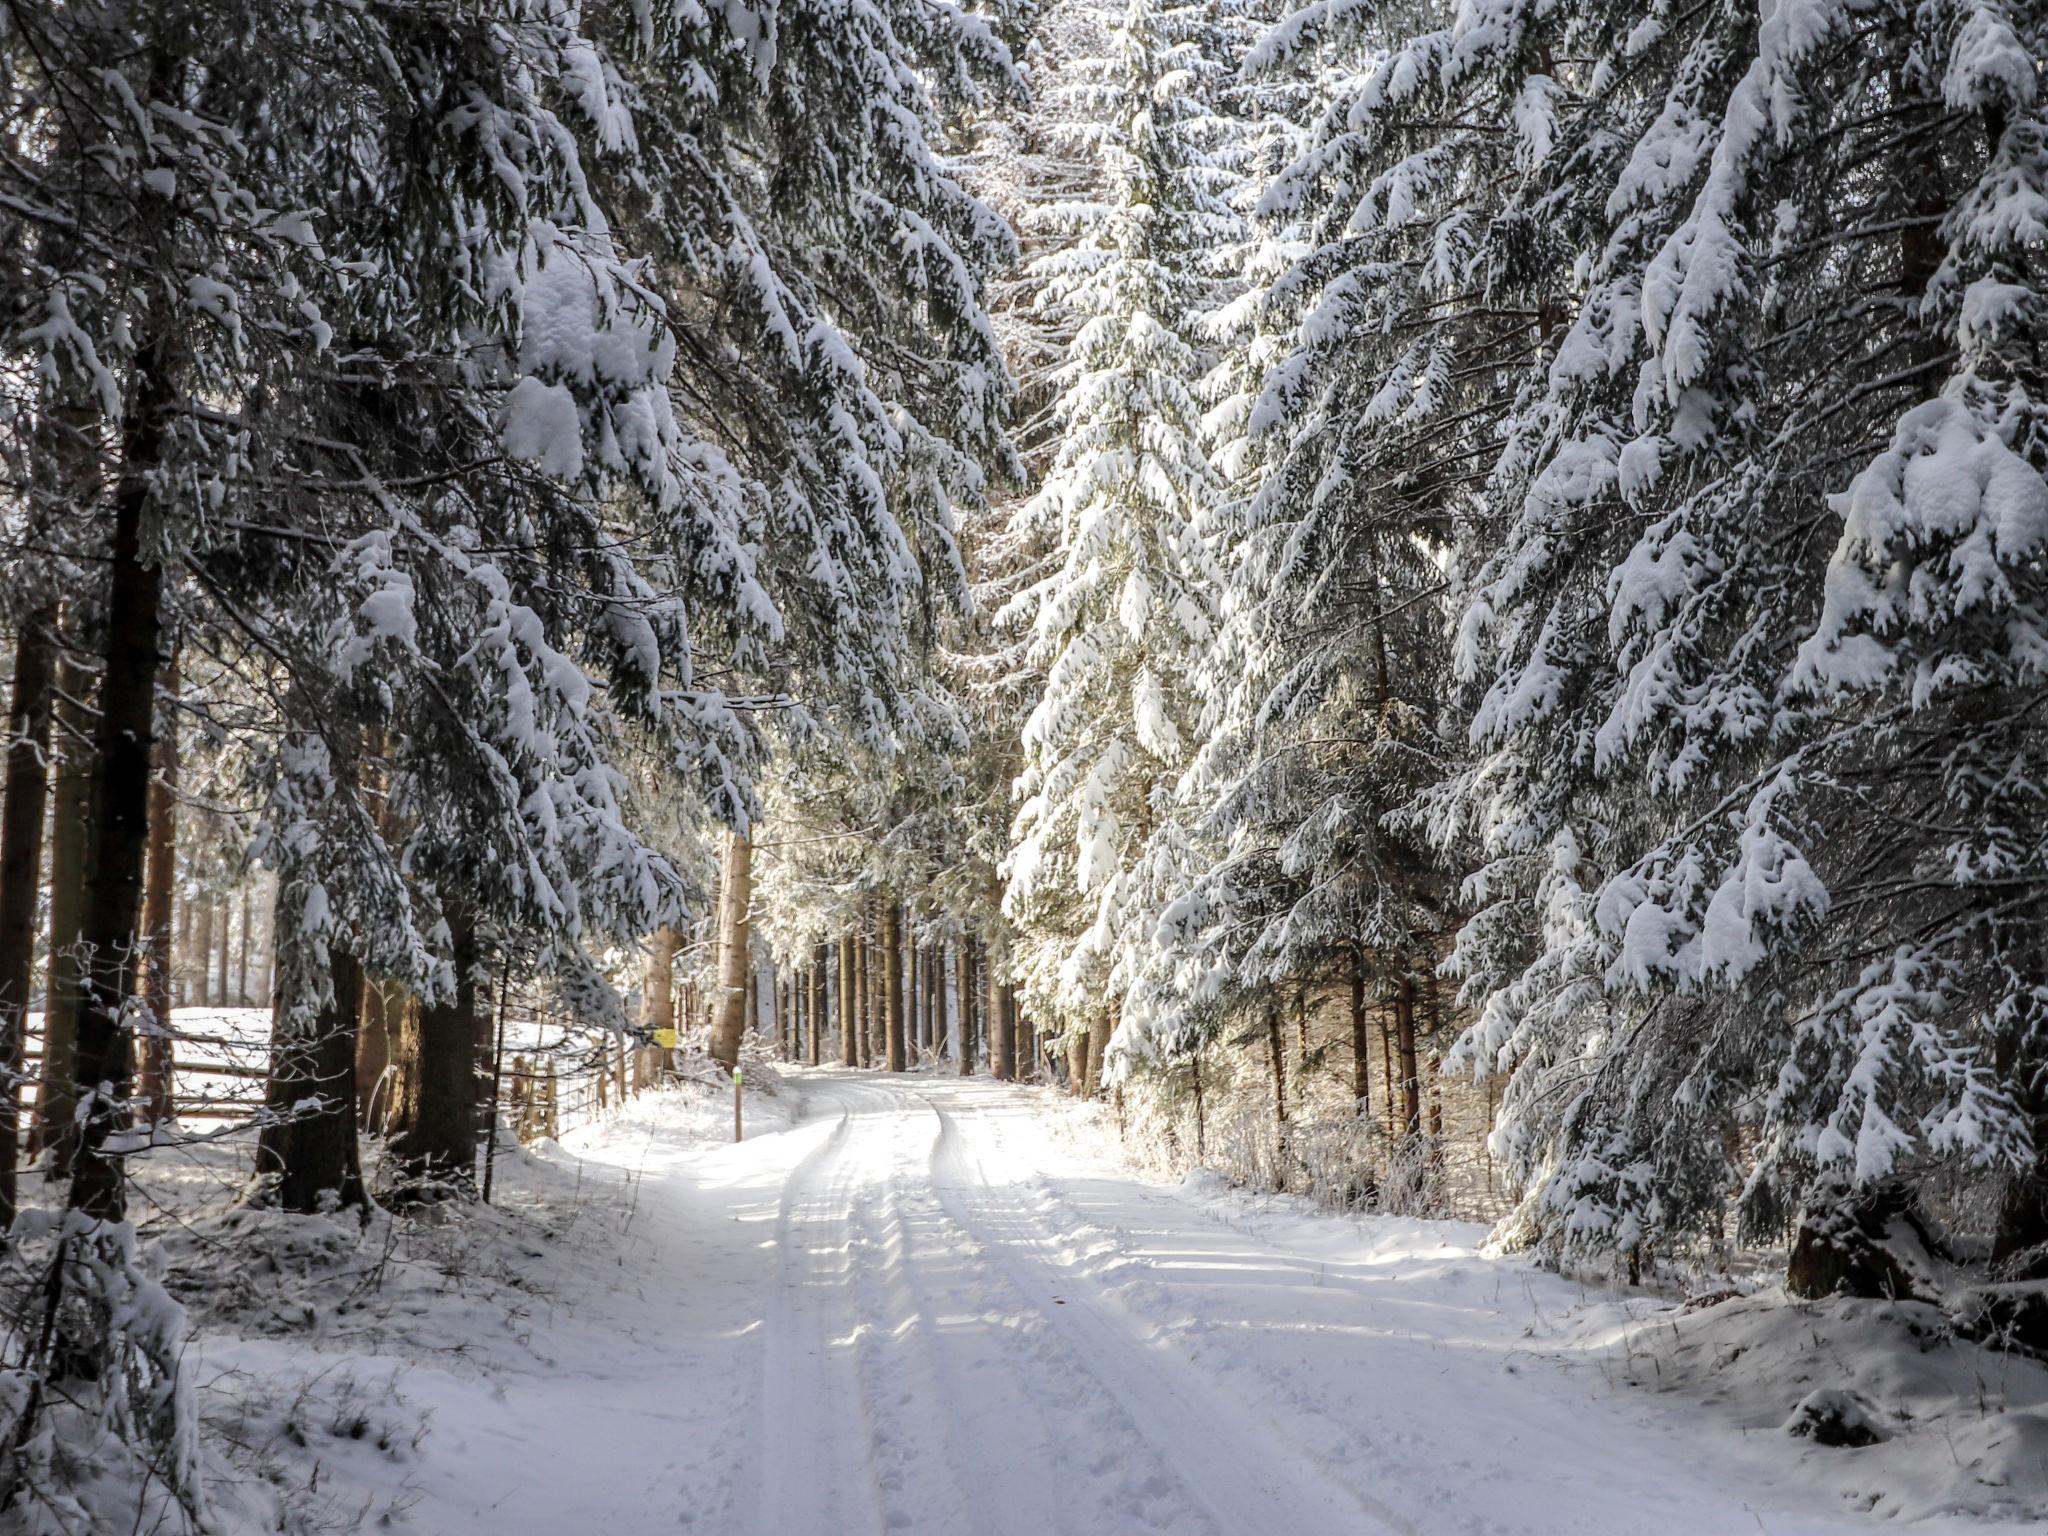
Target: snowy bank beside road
x,y
1951,1428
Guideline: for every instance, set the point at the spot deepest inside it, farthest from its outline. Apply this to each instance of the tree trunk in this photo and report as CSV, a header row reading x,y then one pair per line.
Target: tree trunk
x,y
735,894
1277,1052
375,1031
848,1052
70,851
1077,1060
120,803
202,952
892,985
963,1003
431,1130
1361,1044
309,1155
21,861
1201,1113
658,980
1103,1026
222,997
242,956
1002,1040
1411,1072
819,960
153,1091
863,995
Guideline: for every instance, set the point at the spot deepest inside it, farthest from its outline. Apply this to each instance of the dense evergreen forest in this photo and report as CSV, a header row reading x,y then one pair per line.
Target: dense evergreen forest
x,y
1444,605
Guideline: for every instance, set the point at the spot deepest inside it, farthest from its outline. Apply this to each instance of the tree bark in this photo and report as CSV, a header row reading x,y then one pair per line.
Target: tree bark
x,y
120,803
1276,1051
1411,1072
658,980
153,1056
893,1044
431,1130
736,893
21,859
1099,1031
221,994
202,952
1002,1040
1077,1060
70,850
374,1034
963,1002
1361,1043
242,956
819,960
848,1052
308,1156
863,997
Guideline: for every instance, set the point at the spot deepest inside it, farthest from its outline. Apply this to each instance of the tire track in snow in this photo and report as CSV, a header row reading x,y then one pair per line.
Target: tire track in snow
x,y
1208,1441
808,1482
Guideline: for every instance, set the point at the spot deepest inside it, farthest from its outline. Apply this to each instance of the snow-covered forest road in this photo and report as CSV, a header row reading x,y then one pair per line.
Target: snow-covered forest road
x,y
913,1304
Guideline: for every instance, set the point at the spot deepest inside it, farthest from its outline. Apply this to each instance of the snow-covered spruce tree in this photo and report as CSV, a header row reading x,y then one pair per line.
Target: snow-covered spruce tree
x,y
1125,603
1714,911
1322,694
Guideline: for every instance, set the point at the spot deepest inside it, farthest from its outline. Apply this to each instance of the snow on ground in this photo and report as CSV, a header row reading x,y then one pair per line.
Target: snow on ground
x,y
920,1304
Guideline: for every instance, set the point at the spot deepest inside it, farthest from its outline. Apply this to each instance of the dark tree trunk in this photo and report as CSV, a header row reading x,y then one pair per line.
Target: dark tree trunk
x,y
242,957
1002,1039
863,997
70,851
153,1056
376,1027
222,997
431,1130
848,1045
308,1156
21,860
819,960
202,951
120,803
892,985
1361,1042
963,1002
1276,1051
1411,1070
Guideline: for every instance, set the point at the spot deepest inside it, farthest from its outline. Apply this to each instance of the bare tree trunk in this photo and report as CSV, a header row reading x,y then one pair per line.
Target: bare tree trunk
x,y
202,951
1361,1045
1024,1038
1099,1030
658,980
963,1002
1411,1073
375,1031
1077,1060
819,960
154,1090
864,995
1002,1039
311,1154
70,853
242,955
120,802
735,895
1277,1052
221,994
431,1131
21,861
892,984
847,1046
1201,1114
